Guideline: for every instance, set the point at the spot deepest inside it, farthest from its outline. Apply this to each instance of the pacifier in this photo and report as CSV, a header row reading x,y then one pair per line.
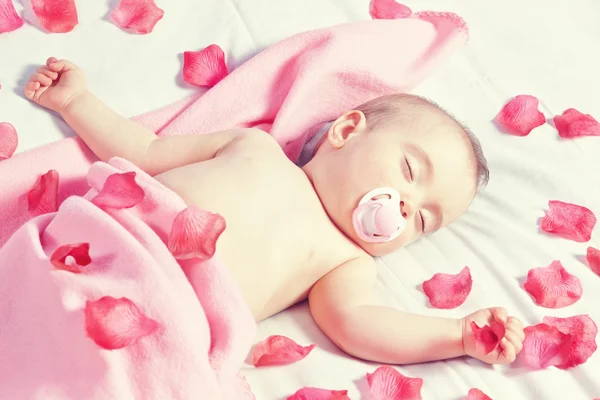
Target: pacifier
x,y
379,220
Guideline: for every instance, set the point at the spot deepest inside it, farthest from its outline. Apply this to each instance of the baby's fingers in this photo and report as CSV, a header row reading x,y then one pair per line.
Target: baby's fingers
x,y
514,339
60,65
30,89
508,353
41,78
47,72
500,314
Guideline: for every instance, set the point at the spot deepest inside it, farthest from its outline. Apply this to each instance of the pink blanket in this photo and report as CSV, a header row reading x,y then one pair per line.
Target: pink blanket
x,y
200,332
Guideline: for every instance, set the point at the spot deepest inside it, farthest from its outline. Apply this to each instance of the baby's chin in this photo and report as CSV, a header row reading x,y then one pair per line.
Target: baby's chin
x,y
382,249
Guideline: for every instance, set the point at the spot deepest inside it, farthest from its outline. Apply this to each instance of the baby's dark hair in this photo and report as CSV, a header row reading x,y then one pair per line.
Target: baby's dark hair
x,y
380,110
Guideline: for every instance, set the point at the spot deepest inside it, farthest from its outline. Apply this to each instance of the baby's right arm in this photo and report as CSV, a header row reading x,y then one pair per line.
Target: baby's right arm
x,y
342,305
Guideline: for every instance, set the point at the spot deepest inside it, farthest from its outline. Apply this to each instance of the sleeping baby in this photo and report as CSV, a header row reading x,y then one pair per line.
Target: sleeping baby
x,y
377,178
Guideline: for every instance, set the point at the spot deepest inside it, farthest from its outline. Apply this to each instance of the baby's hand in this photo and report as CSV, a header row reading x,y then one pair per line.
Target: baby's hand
x,y
56,84
509,346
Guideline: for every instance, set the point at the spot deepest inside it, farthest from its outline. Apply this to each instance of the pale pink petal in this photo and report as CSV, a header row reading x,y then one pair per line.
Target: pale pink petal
x,y
9,140
572,124
388,9
80,252
520,115
386,383
205,67
593,259
56,16
138,16
487,338
278,350
448,291
243,391
553,286
9,21
194,233
581,344
312,393
476,394
541,345
569,221
43,197
119,191
116,323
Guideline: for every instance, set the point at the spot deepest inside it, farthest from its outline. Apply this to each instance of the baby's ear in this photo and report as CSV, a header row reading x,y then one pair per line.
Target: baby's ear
x,y
350,124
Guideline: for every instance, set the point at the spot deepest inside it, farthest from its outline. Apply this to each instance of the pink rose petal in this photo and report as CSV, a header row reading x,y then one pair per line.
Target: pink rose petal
x,y
119,191
386,383
476,394
553,286
593,259
194,233
278,350
205,67
43,197
541,345
56,16
388,9
116,323
569,221
311,393
138,16
9,21
581,331
9,140
487,338
80,252
572,124
520,115
448,291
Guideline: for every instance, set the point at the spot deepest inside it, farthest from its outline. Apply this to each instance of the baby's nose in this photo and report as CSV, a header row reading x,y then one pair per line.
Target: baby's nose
x,y
407,209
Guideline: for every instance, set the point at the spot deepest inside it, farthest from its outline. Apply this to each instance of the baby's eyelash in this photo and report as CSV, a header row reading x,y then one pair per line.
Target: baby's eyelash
x,y
422,222
409,169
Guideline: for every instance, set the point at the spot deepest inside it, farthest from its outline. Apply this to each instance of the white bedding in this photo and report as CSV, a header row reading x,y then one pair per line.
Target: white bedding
x,y
516,46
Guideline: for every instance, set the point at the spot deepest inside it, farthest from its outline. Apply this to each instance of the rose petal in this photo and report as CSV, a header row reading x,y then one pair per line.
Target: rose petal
x,y
572,124
476,394
9,140
79,251
243,391
553,286
593,259
194,233
569,221
278,350
388,384
448,291
43,197
487,338
388,9
205,67
56,16
541,345
115,323
581,344
138,16
520,115
312,393
9,21
119,191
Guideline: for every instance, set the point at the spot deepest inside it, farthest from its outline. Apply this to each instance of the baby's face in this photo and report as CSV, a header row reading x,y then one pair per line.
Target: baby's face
x,y
432,167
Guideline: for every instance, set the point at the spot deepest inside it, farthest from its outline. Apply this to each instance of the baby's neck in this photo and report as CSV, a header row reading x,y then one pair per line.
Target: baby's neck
x,y
311,145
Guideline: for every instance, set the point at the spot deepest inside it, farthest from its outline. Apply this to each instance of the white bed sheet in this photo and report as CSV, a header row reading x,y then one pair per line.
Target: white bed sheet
x,y
548,50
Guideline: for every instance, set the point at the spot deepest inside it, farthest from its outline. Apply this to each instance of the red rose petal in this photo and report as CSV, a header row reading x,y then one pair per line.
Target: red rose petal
x,y
56,16
488,337
311,393
9,140
593,259
448,291
476,394
520,115
553,286
572,124
278,350
581,344
205,67
43,197
194,233
388,9
119,191
9,21
80,253
388,384
541,345
138,16
116,323
569,221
